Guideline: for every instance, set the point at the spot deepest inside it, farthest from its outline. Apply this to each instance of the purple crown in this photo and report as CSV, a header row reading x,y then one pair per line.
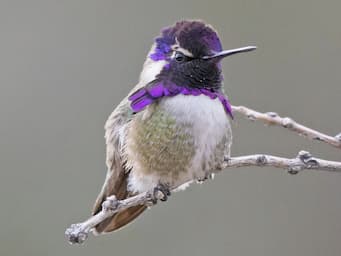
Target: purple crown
x,y
193,35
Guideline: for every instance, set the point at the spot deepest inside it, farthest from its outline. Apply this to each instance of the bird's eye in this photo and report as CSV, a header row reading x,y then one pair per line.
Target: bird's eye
x,y
179,57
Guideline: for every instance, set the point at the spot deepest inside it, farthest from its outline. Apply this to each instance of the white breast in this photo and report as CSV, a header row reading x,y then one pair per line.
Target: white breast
x,y
207,121
210,124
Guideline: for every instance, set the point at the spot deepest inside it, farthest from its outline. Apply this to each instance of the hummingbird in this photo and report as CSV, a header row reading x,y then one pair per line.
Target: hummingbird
x,y
173,128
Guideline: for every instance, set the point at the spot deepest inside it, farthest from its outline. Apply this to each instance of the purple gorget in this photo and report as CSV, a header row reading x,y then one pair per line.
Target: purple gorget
x,y
151,93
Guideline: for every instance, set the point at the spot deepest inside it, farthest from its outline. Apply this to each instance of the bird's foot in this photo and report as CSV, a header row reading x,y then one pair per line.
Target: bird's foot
x,y
160,192
208,176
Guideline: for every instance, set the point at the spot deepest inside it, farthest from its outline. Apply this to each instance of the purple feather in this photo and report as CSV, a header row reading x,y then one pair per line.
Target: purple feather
x,y
156,91
226,104
209,93
136,95
185,91
147,95
194,92
141,103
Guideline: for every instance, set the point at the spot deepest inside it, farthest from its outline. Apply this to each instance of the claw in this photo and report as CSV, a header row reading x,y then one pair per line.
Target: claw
x,y
164,189
208,176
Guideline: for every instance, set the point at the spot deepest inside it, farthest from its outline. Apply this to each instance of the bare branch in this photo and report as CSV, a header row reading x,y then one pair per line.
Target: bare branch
x,y
78,233
303,161
272,118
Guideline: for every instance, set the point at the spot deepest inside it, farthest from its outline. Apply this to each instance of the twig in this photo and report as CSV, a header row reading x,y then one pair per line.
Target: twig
x,y
303,161
272,118
78,233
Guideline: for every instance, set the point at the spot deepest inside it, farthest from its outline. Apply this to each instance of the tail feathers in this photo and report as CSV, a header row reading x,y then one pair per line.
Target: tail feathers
x,y
116,186
119,219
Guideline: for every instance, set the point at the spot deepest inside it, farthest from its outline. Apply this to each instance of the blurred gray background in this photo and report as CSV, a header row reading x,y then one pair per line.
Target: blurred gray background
x,y
64,66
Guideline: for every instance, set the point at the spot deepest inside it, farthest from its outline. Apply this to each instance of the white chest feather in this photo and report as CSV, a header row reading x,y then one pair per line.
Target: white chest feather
x,y
207,116
208,124
209,120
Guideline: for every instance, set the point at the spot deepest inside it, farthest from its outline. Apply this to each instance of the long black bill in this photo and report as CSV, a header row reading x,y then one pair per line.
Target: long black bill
x,y
223,54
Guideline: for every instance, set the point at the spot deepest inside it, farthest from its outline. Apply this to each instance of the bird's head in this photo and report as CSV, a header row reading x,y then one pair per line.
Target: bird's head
x,y
189,53
184,59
